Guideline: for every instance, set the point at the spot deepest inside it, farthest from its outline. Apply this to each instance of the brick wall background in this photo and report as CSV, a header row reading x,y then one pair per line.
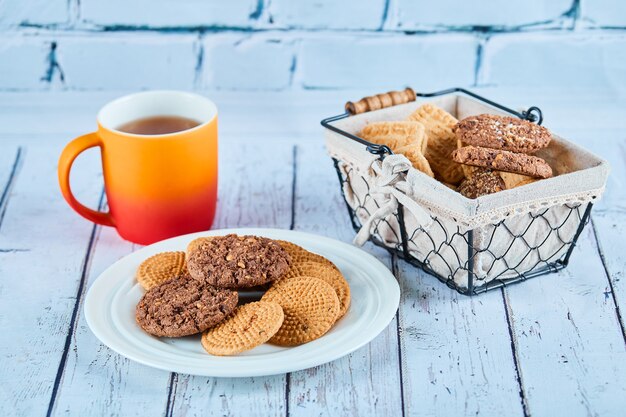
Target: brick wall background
x,y
311,44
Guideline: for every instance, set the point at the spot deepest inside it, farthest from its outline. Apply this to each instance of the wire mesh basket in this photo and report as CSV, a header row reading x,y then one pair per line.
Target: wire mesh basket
x,y
470,245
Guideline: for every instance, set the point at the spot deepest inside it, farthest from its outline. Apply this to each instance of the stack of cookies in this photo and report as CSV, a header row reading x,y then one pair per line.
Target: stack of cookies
x,y
197,291
476,156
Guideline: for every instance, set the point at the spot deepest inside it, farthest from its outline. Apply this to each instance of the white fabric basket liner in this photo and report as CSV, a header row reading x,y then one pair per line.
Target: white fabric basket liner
x,y
579,178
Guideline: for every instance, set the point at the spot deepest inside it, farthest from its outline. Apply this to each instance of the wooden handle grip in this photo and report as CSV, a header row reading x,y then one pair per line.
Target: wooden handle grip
x,y
380,101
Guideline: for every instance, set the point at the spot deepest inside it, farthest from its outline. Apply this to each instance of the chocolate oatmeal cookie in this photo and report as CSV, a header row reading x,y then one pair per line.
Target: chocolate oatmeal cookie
x,y
482,182
503,161
237,261
183,306
502,132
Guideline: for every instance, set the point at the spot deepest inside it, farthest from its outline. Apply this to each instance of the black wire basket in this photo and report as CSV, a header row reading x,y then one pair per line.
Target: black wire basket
x,y
542,239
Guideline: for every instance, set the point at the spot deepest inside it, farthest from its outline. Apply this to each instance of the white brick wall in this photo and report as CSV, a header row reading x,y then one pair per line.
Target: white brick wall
x,y
127,61
311,44
169,13
415,14
555,61
387,62
33,12
237,62
324,14
605,13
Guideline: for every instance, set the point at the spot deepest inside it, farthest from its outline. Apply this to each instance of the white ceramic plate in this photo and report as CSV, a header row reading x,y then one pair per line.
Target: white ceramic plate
x,y
111,300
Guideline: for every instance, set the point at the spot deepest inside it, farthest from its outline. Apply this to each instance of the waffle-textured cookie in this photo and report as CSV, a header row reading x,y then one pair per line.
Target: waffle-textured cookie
x,y
502,132
310,305
503,161
183,307
298,254
233,261
417,158
512,180
327,274
196,243
159,268
441,141
482,182
395,134
252,325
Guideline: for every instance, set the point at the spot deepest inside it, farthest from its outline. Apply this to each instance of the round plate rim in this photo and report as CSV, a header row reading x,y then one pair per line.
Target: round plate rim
x,y
367,264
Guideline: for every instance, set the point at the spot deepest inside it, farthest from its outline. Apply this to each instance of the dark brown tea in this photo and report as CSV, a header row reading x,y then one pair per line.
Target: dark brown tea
x,y
158,125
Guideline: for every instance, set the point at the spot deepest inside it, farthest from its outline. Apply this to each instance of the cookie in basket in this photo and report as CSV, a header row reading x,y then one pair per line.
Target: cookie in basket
x,y
502,132
310,305
327,274
234,261
417,158
251,325
161,267
182,307
500,160
482,182
441,141
395,134
512,180
298,254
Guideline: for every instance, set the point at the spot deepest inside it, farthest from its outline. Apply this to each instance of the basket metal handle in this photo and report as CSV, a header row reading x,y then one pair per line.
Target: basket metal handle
x,y
380,101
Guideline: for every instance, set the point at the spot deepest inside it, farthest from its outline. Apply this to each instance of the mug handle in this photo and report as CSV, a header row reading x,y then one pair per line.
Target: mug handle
x,y
69,154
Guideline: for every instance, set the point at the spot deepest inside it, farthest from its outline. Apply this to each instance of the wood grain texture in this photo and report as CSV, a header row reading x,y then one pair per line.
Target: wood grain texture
x,y
246,199
366,382
457,358
48,245
571,351
96,380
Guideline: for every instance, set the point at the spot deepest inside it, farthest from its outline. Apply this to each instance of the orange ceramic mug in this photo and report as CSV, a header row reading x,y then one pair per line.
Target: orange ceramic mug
x,y
157,186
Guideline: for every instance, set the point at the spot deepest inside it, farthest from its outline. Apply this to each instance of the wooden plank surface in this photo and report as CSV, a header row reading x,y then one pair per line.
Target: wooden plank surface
x,y
246,199
41,267
552,346
571,351
457,358
96,380
366,382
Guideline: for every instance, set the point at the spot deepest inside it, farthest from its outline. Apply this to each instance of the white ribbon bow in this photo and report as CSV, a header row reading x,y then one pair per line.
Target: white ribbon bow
x,y
395,182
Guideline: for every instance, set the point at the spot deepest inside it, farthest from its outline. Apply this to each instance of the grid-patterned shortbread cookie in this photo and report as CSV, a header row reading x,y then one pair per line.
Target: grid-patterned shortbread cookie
x,y
160,268
441,141
299,254
310,305
395,134
251,325
330,275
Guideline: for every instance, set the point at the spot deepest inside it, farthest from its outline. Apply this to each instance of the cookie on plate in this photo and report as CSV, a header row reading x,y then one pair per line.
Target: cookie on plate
x,y
441,141
298,254
482,182
500,160
395,134
159,268
252,325
327,274
310,305
502,132
182,307
234,261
